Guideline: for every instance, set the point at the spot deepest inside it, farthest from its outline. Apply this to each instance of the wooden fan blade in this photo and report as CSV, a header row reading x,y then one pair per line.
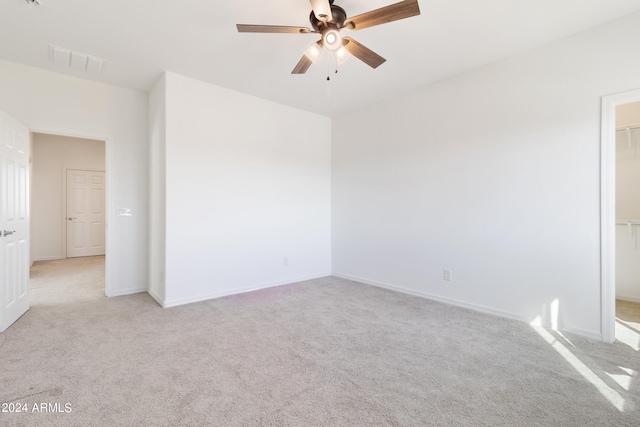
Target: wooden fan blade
x,y
243,28
394,12
322,10
363,53
302,66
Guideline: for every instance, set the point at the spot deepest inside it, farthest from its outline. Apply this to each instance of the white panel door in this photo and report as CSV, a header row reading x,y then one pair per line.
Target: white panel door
x,y
14,220
85,213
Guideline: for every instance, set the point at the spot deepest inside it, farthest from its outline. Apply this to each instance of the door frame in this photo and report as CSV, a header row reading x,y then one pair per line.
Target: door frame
x,y
608,209
108,156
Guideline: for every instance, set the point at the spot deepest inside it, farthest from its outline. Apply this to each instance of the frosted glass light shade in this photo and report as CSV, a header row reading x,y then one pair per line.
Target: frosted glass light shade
x,y
313,52
342,54
332,39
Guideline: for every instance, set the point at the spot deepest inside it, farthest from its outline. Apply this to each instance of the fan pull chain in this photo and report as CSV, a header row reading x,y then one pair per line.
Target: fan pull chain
x,y
335,56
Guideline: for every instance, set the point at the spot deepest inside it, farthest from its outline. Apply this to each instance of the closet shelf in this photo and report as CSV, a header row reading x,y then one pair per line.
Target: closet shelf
x,y
632,222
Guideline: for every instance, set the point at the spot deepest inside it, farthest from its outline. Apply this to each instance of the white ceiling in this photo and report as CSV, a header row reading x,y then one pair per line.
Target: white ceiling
x,y
139,39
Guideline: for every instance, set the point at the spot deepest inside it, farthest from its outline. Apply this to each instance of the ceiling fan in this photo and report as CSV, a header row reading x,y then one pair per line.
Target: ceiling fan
x,y
329,20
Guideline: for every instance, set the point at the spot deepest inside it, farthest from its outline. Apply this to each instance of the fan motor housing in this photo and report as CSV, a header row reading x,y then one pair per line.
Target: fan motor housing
x,y
338,17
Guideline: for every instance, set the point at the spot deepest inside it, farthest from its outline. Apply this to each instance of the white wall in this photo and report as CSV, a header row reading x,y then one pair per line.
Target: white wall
x,y
628,203
54,103
52,155
248,183
157,190
493,174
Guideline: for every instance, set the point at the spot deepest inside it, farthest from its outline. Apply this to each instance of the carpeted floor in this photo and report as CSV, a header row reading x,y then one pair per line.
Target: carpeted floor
x,y
325,352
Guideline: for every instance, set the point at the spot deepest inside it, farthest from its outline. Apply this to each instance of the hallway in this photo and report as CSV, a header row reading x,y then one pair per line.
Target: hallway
x,y
66,281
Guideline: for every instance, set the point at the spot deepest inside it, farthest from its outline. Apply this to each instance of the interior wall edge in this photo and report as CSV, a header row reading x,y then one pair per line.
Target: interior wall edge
x,y
156,297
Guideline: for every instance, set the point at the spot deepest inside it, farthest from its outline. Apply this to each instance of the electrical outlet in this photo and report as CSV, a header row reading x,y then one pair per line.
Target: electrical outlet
x,y
285,261
448,275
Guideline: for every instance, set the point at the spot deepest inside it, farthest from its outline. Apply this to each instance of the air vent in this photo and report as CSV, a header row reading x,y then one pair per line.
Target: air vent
x,y
75,60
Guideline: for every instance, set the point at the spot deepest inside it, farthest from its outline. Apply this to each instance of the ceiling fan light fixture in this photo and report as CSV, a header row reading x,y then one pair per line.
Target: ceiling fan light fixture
x,y
332,39
328,19
313,52
342,54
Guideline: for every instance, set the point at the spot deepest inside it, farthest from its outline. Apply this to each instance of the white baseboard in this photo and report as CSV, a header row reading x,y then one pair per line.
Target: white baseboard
x,y
123,292
153,295
250,288
596,335
434,297
463,304
47,258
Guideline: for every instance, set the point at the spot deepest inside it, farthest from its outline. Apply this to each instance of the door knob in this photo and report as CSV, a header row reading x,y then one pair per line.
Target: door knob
x,y
6,233
71,218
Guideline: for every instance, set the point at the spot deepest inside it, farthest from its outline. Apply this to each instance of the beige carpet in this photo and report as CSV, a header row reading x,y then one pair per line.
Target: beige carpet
x,y
66,281
325,352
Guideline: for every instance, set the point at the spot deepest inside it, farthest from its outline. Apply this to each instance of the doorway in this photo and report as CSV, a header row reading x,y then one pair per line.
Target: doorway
x,y
610,222
628,224
68,181
628,202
